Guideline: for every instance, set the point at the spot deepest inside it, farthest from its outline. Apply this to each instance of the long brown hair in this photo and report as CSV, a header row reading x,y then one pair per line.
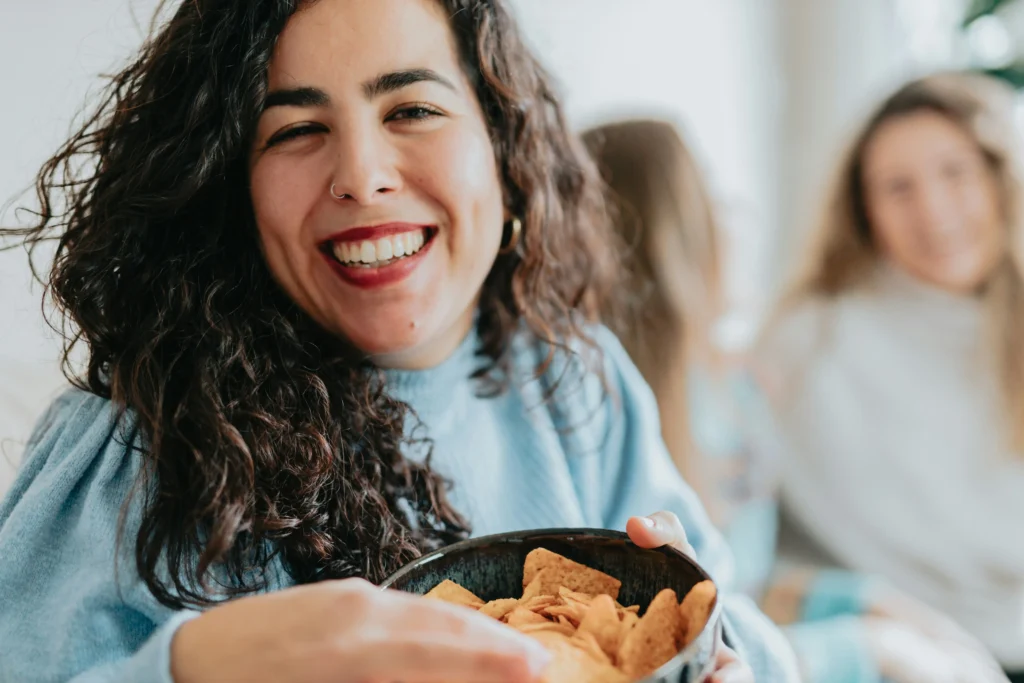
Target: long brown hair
x,y
842,253
262,436
664,212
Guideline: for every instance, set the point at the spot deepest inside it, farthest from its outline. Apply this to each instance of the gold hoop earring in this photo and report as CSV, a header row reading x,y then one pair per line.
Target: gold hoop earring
x,y
516,227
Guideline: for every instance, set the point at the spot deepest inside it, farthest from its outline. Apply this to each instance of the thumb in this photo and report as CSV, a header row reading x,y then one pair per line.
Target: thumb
x,y
659,529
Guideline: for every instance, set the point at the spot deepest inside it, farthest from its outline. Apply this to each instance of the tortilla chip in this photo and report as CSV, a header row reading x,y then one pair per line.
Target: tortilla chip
x,y
571,664
567,594
559,572
563,628
533,589
499,608
449,591
573,611
601,623
628,619
521,616
655,638
695,609
539,603
588,643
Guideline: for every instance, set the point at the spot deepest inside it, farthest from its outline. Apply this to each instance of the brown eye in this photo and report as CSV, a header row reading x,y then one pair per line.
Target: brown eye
x,y
416,112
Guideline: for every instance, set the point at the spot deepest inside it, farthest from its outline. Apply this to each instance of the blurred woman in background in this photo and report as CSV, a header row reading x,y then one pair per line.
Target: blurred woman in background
x,y
673,297
718,426
898,358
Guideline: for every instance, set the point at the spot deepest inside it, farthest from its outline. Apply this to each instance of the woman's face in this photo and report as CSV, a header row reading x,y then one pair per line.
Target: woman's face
x,y
368,96
933,201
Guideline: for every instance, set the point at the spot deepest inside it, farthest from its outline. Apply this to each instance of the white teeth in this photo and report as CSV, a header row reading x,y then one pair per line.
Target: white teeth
x,y
382,250
367,252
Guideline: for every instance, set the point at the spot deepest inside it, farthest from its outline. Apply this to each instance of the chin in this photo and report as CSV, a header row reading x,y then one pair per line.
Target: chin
x,y
392,342
960,273
411,332
961,282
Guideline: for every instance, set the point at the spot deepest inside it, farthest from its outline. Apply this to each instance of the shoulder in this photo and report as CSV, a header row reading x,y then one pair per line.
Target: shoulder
x,y
615,359
597,355
624,381
592,366
591,382
79,424
61,554
794,334
75,410
795,324
80,443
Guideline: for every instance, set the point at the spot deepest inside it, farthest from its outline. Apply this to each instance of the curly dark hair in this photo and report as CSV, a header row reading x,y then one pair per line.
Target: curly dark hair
x,y
263,436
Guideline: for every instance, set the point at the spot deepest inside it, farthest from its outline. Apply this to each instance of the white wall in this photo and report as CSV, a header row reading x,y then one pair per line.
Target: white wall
x,y
710,65
52,51
838,57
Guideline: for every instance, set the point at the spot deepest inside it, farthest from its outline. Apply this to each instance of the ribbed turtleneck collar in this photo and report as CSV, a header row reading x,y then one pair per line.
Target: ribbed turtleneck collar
x,y
422,386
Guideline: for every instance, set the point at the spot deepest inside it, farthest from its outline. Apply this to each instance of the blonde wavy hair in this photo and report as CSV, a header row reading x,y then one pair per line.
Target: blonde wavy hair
x,y
671,284
842,252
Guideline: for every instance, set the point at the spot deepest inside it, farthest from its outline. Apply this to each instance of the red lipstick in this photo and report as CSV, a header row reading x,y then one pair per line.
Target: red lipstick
x,y
367,277
374,232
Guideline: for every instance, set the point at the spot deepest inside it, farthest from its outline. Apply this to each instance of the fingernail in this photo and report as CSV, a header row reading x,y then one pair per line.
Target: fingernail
x,y
648,522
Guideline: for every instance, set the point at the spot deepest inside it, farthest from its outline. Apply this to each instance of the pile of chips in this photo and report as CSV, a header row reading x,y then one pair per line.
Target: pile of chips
x,y
574,611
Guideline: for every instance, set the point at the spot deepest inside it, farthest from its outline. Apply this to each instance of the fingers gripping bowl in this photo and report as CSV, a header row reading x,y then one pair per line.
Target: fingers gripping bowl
x,y
610,611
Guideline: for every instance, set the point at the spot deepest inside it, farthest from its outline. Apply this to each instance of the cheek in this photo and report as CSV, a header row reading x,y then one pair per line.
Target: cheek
x,y
460,173
282,194
892,228
986,214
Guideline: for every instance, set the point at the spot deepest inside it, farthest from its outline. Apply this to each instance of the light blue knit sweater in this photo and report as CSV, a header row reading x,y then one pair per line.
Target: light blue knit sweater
x,y
65,615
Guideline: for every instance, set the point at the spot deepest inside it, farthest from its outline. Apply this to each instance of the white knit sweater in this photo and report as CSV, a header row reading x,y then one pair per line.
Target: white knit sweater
x,y
898,464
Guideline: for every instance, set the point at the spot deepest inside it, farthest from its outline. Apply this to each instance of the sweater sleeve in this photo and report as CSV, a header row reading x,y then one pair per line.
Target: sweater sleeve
x,y
638,478
70,614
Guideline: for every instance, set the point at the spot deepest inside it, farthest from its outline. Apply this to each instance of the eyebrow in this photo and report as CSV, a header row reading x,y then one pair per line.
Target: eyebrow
x,y
396,80
296,97
381,85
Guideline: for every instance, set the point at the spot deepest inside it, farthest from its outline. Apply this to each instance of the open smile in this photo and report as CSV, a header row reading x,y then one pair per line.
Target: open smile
x,y
379,255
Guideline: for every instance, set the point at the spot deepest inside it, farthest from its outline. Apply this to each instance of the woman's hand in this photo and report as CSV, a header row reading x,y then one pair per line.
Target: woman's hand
x,y
907,655
664,528
904,618
347,632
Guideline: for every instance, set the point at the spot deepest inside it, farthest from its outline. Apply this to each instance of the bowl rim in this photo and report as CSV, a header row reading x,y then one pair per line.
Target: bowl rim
x,y
713,622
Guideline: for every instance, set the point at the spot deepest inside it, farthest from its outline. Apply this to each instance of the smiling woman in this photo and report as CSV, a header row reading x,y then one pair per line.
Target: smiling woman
x,y
335,265
401,144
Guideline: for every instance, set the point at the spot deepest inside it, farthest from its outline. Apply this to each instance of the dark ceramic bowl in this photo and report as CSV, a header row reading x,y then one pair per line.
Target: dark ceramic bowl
x,y
492,567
